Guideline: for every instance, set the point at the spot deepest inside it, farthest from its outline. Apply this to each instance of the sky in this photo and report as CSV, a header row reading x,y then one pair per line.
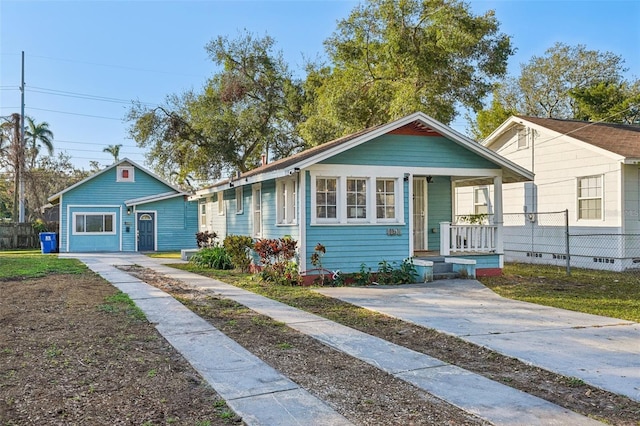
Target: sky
x,y
87,60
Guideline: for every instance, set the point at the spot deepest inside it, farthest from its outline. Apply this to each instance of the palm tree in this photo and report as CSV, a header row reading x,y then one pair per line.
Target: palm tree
x,y
35,133
113,150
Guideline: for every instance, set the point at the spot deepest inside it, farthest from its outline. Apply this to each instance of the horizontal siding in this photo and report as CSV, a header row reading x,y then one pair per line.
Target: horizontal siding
x,y
104,190
558,162
438,209
411,151
349,246
484,261
177,223
94,243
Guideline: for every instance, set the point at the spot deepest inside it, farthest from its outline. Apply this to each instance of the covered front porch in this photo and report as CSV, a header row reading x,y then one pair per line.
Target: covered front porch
x,y
444,243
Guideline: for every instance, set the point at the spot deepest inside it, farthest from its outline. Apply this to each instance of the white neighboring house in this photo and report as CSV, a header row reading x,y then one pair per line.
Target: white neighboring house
x,y
591,170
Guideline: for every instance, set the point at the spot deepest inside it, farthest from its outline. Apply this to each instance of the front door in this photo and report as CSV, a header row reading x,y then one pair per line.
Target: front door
x,y
146,232
419,214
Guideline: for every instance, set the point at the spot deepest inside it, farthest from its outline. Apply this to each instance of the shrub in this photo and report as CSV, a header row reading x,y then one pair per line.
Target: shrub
x,y
206,239
239,248
212,257
389,274
276,257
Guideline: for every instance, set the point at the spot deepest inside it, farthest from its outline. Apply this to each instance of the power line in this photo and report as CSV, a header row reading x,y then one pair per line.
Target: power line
x,y
75,113
113,66
55,92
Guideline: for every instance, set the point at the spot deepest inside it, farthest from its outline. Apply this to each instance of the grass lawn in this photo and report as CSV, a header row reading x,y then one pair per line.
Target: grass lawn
x,y
165,255
33,264
611,294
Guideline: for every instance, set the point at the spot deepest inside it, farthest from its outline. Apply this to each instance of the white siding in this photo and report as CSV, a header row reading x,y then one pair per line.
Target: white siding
x,y
558,163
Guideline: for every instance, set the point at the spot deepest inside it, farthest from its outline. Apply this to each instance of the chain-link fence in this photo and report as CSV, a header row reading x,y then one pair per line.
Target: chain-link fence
x,y
546,238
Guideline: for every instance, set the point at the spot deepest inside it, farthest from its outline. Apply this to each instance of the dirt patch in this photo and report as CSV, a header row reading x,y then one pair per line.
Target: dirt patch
x,y
68,356
356,389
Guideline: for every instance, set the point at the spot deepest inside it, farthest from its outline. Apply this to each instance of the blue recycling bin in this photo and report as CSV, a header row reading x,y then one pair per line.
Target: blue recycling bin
x,y
48,242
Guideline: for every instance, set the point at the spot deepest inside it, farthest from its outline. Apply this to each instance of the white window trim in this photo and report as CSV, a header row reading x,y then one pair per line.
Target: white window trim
x,y
397,190
485,202
131,177
286,202
256,207
601,197
220,203
76,214
202,221
523,135
239,200
367,206
341,195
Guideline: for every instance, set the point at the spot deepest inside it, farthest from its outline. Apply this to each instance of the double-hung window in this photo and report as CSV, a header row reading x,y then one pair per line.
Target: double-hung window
x,y
203,214
286,201
257,210
239,201
356,198
385,198
326,198
481,200
590,197
94,223
220,203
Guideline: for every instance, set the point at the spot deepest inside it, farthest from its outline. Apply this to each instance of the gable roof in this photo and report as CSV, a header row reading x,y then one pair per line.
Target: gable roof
x,y
416,123
55,197
620,139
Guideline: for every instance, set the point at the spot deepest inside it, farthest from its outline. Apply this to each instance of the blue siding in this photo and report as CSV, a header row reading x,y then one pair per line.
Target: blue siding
x,y
177,218
484,261
177,223
91,243
238,224
349,246
242,224
411,151
438,208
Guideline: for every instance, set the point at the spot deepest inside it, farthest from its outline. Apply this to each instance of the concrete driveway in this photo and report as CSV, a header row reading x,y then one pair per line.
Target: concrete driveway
x,y
602,351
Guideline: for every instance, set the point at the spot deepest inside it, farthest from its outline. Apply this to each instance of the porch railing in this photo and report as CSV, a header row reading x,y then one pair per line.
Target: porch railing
x,y
468,238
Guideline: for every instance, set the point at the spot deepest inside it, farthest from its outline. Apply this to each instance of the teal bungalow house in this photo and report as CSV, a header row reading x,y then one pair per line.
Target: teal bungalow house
x,y
125,208
383,194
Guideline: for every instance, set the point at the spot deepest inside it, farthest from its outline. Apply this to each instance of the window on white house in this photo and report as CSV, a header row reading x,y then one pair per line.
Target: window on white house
x,y
257,211
94,223
356,198
523,138
590,197
286,201
481,200
385,199
326,198
220,203
203,214
239,200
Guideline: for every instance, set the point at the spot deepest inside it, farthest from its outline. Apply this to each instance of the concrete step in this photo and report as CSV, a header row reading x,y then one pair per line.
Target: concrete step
x,y
442,267
446,276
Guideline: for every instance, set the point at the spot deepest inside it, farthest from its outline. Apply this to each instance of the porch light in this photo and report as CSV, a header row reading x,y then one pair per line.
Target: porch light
x,y
128,211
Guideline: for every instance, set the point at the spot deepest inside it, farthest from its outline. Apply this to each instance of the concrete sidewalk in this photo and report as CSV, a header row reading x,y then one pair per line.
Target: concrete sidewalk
x,y
604,352
200,344
250,387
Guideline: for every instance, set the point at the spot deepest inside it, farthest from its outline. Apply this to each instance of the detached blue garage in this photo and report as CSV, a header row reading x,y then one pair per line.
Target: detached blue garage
x,y
125,208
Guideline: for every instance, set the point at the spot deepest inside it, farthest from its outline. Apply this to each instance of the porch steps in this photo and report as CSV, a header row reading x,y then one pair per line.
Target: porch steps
x,y
443,270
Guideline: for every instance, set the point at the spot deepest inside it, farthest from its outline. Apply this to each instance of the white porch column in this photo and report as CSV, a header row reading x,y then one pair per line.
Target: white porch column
x,y
445,238
498,219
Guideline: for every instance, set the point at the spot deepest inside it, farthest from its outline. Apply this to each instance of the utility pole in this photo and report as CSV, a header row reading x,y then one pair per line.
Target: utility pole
x,y
15,118
21,154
